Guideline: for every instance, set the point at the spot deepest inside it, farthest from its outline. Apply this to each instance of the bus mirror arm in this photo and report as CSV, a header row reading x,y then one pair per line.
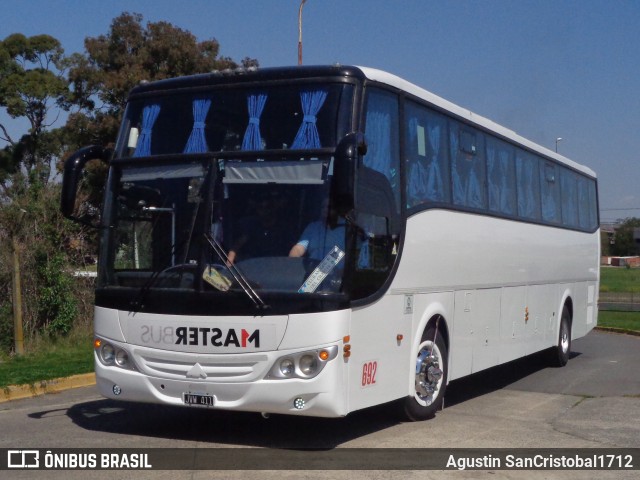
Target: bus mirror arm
x,y
73,168
350,149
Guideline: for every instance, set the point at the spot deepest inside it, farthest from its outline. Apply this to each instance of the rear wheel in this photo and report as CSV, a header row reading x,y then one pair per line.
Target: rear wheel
x,y
430,379
561,352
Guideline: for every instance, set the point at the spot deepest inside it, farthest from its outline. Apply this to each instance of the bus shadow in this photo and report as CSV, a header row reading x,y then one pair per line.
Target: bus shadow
x,y
497,378
177,424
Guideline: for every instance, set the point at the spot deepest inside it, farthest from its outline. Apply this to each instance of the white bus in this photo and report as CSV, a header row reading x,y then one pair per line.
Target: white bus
x,y
318,240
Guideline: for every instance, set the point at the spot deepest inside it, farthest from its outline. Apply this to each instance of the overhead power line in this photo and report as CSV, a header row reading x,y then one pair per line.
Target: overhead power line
x,y
618,209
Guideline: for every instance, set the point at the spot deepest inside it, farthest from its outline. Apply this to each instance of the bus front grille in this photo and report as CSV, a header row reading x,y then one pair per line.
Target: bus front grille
x,y
190,366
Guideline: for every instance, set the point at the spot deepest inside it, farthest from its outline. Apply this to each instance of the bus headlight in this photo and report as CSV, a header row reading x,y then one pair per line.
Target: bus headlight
x,y
308,364
107,354
113,356
122,359
287,367
304,365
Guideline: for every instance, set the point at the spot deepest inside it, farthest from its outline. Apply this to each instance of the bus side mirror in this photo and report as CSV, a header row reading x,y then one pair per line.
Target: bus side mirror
x,y
352,147
72,174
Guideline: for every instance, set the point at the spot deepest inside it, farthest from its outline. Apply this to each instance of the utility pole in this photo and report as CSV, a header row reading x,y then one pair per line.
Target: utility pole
x,y
300,32
17,298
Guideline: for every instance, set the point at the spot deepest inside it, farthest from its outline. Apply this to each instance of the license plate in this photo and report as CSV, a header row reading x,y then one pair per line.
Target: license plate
x,y
197,399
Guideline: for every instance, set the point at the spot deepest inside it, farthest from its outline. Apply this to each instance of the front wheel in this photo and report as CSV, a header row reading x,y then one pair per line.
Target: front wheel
x,y
430,379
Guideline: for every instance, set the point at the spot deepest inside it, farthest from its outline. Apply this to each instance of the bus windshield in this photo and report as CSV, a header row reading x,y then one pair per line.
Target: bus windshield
x,y
224,224
226,189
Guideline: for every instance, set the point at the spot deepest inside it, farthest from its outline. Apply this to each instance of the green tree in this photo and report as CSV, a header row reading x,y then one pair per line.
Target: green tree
x,y
625,245
118,61
33,87
38,83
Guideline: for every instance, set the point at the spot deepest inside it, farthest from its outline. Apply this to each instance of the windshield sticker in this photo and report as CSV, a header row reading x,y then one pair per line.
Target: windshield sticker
x,y
321,271
214,278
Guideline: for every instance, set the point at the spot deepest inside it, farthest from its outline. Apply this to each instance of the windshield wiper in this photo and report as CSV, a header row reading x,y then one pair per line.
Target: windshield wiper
x,y
237,275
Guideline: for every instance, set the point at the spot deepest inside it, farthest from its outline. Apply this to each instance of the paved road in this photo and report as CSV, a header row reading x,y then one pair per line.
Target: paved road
x,y
593,402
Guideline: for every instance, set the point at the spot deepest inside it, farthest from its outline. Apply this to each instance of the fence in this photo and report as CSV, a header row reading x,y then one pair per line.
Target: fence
x,y
625,301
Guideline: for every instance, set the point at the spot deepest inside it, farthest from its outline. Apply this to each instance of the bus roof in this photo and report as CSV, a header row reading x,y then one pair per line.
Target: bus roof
x,y
404,85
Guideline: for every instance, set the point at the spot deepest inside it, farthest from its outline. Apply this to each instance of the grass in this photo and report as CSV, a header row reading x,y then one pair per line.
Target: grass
x,y
620,280
623,320
47,359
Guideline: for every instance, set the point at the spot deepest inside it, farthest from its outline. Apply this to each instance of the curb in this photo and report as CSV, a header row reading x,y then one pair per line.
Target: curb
x,y
16,392
618,330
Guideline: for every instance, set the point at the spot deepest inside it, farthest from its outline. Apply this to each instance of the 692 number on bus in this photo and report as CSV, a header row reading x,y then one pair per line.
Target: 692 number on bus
x,y
369,371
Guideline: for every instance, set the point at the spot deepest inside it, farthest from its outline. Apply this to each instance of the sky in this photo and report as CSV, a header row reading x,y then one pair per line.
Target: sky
x,y
546,69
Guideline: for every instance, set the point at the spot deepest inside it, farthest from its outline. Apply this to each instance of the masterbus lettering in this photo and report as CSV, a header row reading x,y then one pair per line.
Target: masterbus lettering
x,y
216,337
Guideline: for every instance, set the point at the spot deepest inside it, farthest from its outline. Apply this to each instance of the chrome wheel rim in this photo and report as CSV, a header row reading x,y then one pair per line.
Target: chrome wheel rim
x,y
564,338
429,373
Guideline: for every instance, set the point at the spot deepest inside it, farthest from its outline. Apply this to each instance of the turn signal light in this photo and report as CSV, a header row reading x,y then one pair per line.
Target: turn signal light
x,y
97,343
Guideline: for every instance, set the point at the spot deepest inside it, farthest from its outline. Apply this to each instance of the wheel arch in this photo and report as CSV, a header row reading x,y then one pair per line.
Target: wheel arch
x,y
434,314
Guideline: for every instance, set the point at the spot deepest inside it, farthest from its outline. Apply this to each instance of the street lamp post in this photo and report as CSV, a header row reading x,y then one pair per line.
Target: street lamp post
x,y
300,32
559,139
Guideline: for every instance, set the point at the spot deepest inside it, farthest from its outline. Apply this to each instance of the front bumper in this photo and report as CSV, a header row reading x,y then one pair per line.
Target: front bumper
x,y
236,382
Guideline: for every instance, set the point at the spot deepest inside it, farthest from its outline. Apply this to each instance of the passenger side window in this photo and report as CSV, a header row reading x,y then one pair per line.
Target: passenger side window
x,y
586,199
569,185
426,152
528,185
550,192
467,166
383,139
501,174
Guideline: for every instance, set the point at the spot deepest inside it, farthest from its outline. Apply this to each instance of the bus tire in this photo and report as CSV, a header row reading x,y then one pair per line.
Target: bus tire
x,y
431,371
562,351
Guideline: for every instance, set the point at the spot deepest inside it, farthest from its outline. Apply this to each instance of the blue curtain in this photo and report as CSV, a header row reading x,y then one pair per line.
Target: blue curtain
x,y
426,183
526,196
569,198
379,155
307,136
252,139
149,116
507,193
435,186
459,196
197,142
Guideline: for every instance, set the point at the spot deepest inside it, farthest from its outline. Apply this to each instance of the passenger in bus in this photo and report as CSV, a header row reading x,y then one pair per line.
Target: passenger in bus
x,y
321,236
264,234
